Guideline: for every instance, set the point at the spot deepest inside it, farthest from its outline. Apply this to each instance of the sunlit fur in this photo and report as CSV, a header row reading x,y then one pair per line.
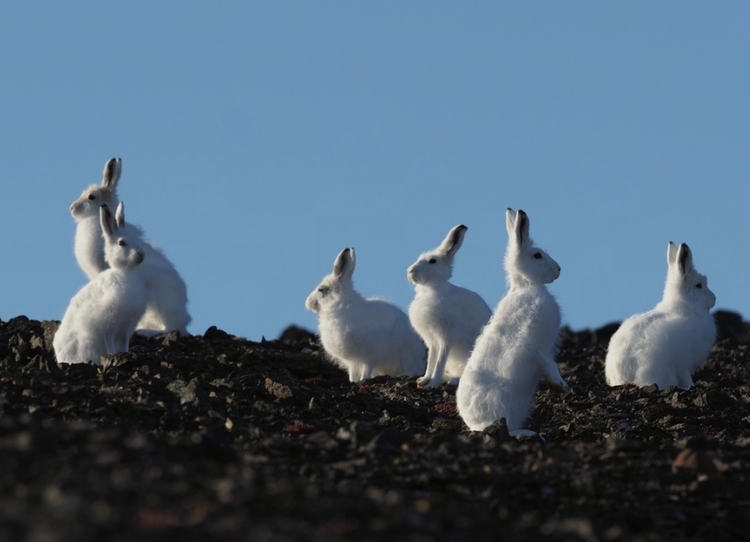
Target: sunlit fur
x,y
516,348
365,336
667,344
167,292
447,317
89,243
103,315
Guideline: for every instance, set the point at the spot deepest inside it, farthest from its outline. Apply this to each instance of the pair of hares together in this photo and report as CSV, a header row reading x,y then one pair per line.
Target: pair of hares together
x,y
133,286
498,358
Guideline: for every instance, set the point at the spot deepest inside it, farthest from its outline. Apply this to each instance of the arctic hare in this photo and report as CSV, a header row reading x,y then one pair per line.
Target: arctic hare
x,y
447,317
517,346
102,316
365,336
667,344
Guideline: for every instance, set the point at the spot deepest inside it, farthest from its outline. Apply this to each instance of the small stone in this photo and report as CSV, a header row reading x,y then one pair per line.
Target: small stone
x,y
691,459
278,390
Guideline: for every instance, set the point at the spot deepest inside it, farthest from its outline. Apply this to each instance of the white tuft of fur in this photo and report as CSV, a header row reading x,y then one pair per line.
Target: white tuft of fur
x,y
449,318
667,344
516,348
103,315
167,292
366,337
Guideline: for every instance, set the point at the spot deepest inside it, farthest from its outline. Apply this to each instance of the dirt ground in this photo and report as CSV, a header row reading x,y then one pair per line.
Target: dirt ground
x,y
214,437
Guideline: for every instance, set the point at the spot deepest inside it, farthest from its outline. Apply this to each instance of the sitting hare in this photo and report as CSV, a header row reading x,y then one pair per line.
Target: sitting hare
x,y
667,344
517,346
447,317
365,336
103,315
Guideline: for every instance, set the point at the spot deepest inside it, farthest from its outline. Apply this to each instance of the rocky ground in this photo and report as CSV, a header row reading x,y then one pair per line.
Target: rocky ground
x,y
214,437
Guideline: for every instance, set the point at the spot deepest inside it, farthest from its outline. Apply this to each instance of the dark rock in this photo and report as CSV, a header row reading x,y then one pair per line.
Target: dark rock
x,y
213,333
603,334
729,325
297,335
170,337
278,390
498,430
695,460
190,393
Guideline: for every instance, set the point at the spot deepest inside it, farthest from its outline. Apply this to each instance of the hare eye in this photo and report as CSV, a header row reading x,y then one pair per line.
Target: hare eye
x,y
92,197
121,243
432,260
323,291
699,285
538,255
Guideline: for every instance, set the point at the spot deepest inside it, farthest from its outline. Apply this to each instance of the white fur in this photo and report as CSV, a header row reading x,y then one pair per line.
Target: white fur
x,y
365,336
517,346
167,292
102,316
667,344
447,317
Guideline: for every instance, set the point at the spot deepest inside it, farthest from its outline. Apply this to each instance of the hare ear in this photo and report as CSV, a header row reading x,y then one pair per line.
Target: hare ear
x,y
120,215
510,222
453,240
107,220
344,264
684,259
111,173
671,254
522,228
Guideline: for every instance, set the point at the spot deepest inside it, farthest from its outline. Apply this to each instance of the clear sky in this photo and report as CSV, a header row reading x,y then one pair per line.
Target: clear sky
x,y
259,139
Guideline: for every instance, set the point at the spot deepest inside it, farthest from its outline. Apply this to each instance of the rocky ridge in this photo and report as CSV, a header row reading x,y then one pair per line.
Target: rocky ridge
x,y
214,437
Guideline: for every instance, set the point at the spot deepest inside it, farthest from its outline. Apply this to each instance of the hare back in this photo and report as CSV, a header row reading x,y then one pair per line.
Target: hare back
x,y
361,317
374,339
521,326
453,313
659,347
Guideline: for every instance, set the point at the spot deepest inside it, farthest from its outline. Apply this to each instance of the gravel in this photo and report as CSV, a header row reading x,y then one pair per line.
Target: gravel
x,y
215,437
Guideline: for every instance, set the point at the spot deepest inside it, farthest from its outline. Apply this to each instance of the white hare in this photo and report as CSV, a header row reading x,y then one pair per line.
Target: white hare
x,y
366,337
167,293
517,346
102,316
667,344
447,317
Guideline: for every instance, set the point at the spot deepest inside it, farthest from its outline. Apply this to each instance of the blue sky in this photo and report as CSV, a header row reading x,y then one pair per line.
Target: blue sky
x,y
260,138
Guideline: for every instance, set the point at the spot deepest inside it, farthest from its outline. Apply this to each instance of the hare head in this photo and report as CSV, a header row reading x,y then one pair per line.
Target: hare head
x,y
524,262
436,266
120,250
684,284
336,285
96,195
